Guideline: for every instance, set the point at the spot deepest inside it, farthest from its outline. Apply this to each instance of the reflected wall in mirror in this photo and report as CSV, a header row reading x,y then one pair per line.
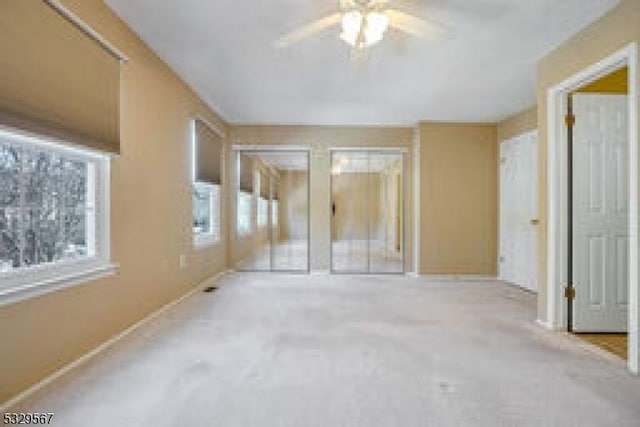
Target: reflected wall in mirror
x,y
272,218
367,211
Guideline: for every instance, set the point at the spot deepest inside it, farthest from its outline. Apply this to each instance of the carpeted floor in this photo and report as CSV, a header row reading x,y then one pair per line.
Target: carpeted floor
x,y
332,351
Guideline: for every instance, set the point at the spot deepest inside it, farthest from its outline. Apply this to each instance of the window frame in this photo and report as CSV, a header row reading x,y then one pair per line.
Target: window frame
x,y
27,282
249,230
212,238
275,213
209,238
262,217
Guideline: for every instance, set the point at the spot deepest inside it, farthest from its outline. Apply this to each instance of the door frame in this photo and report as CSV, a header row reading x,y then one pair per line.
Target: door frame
x,y
557,189
236,151
371,150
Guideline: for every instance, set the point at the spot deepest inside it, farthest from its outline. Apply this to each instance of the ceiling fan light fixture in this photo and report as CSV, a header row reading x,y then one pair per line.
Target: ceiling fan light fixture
x,y
377,24
351,25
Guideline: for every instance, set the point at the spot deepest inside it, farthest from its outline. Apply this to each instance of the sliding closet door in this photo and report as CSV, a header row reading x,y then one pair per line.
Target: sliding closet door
x,y
350,205
253,248
367,208
272,214
290,212
386,242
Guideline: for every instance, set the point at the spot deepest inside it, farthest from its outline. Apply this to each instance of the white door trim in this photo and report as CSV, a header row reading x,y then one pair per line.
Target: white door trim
x,y
556,187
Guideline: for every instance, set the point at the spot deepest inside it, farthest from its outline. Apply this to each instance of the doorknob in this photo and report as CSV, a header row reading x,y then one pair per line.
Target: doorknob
x,y
535,221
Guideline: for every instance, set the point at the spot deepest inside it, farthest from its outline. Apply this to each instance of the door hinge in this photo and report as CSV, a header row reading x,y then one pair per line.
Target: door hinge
x,y
570,120
570,293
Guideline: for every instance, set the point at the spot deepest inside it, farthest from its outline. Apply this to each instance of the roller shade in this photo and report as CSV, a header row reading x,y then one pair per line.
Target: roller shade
x,y
246,173
208,145
55,79
264,185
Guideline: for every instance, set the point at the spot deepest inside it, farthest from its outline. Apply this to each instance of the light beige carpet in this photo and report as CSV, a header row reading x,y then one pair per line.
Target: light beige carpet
x,y
333,351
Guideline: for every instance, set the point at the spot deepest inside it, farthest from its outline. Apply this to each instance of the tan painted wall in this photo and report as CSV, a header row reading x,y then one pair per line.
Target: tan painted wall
x,y
522,122
458,198
607,35
151,223
320,139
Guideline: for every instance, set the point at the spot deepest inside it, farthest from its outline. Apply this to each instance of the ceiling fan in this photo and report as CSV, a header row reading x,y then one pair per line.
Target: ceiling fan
x,y
364,23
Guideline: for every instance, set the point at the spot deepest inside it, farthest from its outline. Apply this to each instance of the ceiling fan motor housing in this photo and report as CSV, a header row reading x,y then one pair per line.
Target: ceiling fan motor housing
x,y
362,5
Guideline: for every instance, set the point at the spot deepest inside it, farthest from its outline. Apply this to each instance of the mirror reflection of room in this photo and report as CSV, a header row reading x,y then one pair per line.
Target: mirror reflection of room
x,y
367,212
272,225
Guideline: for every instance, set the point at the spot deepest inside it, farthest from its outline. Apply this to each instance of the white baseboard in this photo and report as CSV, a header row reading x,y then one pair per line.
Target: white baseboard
x,y
544,324
456,278
4,407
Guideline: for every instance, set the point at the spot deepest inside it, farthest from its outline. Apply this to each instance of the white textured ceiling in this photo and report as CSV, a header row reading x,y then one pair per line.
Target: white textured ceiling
x,y
486,71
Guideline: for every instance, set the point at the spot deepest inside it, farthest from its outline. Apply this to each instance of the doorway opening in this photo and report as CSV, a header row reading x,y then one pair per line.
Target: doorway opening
x,y
367,211
598,152
592,230
272,210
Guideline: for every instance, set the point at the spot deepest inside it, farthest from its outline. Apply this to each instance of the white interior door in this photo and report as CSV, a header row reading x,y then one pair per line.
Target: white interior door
x,y
600,217
519,210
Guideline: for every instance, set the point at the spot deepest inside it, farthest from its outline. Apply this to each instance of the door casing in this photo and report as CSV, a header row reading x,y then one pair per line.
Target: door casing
x,y
556,221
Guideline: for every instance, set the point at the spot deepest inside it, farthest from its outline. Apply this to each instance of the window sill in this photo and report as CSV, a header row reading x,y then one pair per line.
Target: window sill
x,y
88,273
205,242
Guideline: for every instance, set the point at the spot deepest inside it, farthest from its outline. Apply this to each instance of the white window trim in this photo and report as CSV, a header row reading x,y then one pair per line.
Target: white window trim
x,y
262,202
275,220
41,279
204,240
248,231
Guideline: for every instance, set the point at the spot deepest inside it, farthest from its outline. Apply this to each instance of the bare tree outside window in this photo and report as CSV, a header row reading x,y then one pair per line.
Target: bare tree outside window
x,y
43,207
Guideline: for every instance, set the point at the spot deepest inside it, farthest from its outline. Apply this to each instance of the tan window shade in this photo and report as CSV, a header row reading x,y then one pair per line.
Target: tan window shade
x,y
208,154
246,173
264,185
55,79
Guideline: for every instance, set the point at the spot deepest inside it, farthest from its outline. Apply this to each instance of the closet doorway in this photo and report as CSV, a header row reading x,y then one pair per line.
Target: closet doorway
x,y
272,210
367,211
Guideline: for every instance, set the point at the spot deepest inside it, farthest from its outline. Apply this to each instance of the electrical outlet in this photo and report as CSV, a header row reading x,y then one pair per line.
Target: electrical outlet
x,y
183,261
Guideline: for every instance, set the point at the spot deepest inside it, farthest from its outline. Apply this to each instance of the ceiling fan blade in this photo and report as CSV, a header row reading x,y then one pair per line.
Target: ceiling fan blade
x,y
308,30
418,27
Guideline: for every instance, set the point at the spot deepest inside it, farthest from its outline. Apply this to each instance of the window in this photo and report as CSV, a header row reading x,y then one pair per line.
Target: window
x,y
262,212
274,213
53,212
206,202
244,212
207,158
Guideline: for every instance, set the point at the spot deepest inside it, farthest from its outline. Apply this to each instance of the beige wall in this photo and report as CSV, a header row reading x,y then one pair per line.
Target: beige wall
x,y
458,198
517,124
320,139
151,223
607,35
